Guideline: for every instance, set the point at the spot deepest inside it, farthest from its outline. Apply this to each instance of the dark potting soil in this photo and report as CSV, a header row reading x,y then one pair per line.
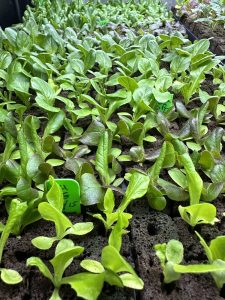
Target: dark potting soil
x,y
34,285
149,228
201,31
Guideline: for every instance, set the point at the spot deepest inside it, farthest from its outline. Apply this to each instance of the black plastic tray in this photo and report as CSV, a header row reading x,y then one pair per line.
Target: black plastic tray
x,y
11,11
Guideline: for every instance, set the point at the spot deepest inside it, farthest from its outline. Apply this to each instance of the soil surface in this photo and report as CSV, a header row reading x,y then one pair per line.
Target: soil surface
x,y
201,31
148,228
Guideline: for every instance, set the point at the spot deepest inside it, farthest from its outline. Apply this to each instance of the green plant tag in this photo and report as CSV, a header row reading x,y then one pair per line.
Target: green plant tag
x,y
71,194
103,22
164,107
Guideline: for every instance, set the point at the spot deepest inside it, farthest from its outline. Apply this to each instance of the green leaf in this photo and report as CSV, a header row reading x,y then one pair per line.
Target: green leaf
x,y
16,211
50,213
82,228
129,83
218,275
211,191
41,101
179,64
217,248
87,286
137,188
91,190
202,213
155,170
169,274
92,266
101,161
206,247
178,177
24,190
20,83
217,173
33,165
5,59
206,160
37,262
44,89
195,183
55,162
103,59
161,97
112,260
194,146
43,242
115,238
198,268
174,251
173,191
170,158
10,276
131,281
137,154
55,195
63,259
55,123
156,200
109,201
113,279
93,133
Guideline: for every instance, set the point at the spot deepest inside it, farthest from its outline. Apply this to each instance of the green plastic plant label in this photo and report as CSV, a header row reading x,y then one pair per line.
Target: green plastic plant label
x,y
103,22
164,107
71,194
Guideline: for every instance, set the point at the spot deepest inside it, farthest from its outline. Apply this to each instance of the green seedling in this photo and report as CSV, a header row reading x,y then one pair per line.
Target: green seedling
x,y
165,159
171,255
16,210
216,258
137,188
113,269
88,285
111,216
202,213
64,254
52,211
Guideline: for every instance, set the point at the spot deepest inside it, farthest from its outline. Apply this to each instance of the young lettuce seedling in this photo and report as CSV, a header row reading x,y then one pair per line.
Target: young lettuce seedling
x,y
137,188
216,257
170,254
16,210
52,211
110,216
202,213
64,253
113,269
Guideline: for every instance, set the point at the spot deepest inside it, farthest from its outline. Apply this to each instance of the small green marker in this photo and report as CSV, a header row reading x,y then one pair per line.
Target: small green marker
x,y
164,107
103,22
71,194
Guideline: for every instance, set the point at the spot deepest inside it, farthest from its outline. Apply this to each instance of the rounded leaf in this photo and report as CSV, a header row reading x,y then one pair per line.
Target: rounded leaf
x,y
82,228
132,281
10,276
174,251
43,242
92,266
